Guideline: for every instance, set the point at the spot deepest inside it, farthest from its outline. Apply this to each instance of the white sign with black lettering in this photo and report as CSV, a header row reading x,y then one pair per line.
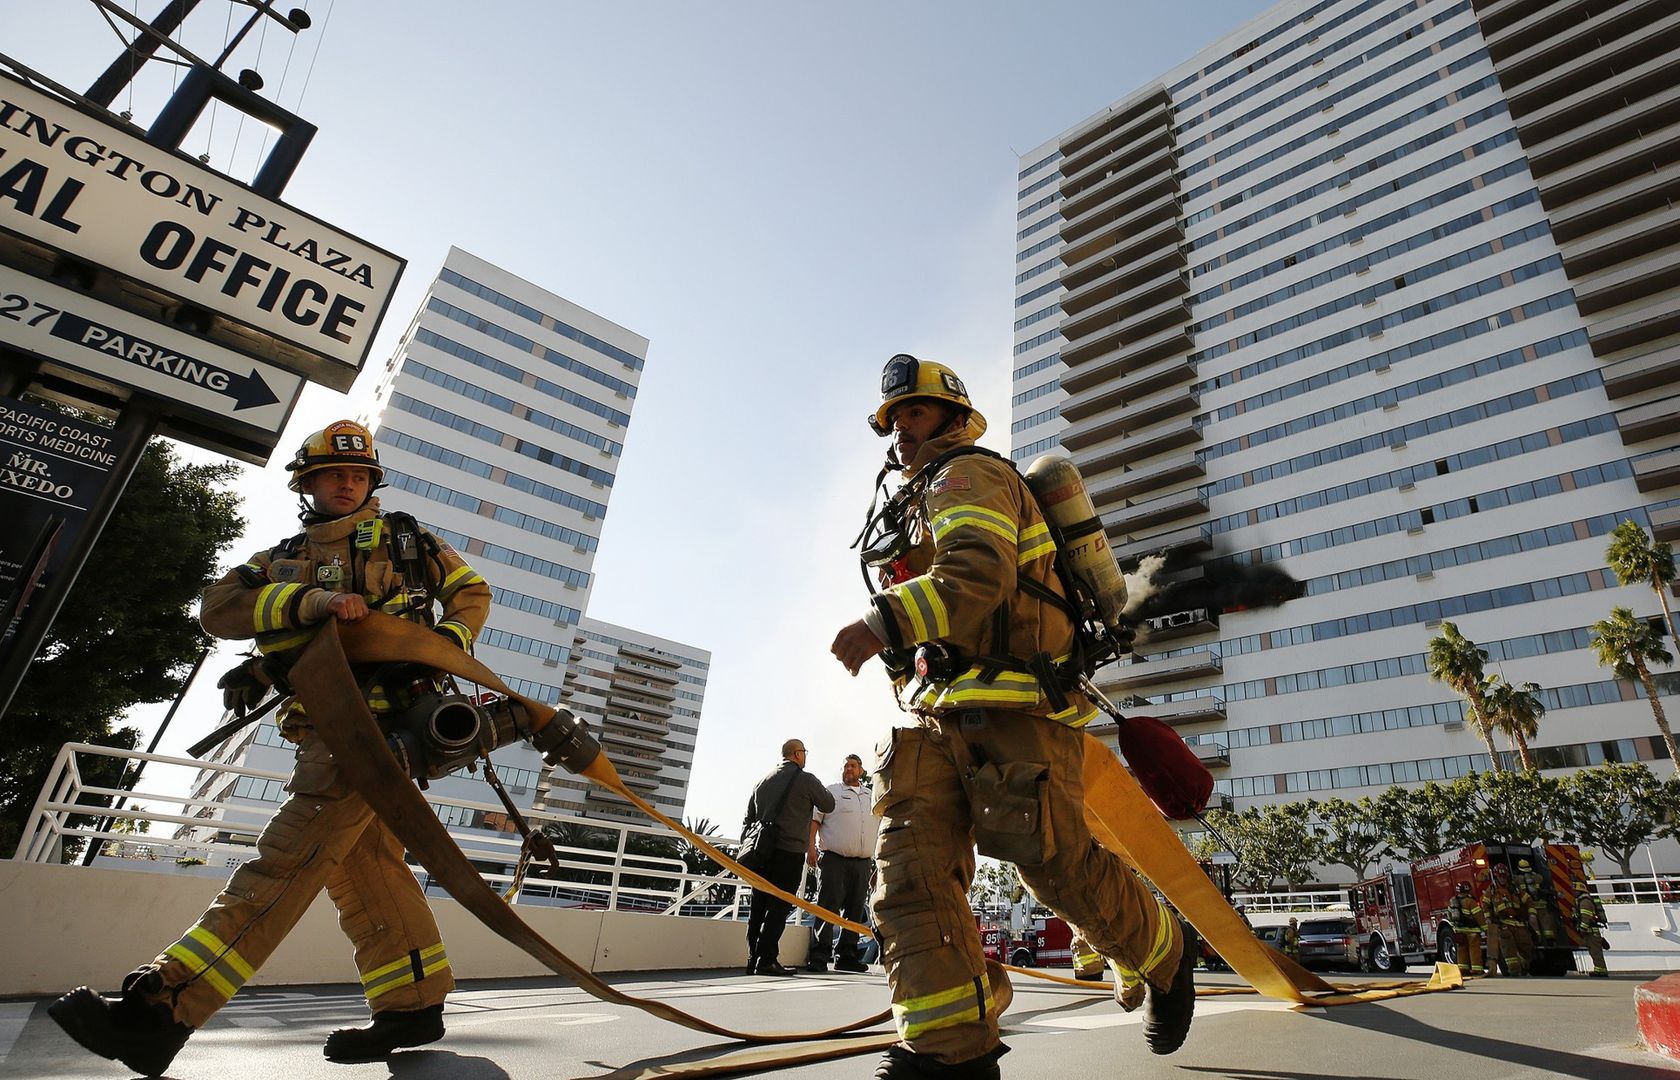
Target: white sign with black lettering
x,y
86,187
119,347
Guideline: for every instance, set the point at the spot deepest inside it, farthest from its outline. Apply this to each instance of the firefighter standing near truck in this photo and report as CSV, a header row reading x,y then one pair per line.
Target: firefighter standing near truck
x,y
1591,921
996,756
1463,915
1502,916
350,559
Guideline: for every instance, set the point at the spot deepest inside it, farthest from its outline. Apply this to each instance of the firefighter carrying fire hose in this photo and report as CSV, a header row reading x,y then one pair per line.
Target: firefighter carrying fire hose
x,y
968,585
350,559
1464,916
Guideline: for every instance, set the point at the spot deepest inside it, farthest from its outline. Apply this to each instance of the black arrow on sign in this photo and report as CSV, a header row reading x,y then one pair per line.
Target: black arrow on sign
x,y
247,391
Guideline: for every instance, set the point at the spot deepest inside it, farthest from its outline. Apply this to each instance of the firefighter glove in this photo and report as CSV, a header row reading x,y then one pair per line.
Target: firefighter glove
x,y
243,687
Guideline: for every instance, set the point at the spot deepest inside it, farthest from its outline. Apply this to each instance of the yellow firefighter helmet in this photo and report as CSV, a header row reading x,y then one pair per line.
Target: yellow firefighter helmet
x,y
338,444
906,377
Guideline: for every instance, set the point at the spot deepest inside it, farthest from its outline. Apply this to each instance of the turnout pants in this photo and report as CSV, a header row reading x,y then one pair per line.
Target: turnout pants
x,y
1595,949
1019,778
1086,960
1502,944
844,888
324,835
1469,950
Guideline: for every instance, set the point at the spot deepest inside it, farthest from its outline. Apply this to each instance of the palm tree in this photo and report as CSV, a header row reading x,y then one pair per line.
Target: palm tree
x,y
1455,660
1628,646
1635,557
1515,710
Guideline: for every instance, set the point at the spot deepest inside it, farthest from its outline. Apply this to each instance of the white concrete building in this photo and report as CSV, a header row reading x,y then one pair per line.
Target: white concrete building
x,y
500,422
1382,291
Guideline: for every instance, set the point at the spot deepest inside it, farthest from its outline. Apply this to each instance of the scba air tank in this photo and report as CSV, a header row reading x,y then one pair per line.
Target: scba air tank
x,y
1060,490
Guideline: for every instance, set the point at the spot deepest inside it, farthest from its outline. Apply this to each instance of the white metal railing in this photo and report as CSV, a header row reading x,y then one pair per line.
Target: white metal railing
x,y
1640,889
1307,900
610,877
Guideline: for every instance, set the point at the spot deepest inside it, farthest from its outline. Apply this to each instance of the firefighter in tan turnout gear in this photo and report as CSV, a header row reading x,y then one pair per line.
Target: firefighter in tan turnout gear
x,y
350,559
1591,921
995,757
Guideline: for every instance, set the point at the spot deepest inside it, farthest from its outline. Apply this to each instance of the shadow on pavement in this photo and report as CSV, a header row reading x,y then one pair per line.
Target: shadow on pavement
x,y
424,1064
1543,1060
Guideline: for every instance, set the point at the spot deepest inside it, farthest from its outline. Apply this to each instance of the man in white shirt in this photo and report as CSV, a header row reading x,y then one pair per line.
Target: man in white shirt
x,y
842,848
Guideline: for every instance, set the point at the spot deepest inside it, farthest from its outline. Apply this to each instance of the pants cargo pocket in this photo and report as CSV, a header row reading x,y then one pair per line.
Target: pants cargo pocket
x,y
316,773
1011,812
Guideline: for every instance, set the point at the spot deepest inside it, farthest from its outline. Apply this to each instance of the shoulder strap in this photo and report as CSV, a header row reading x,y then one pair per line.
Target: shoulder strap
x,y
1000,645
289,547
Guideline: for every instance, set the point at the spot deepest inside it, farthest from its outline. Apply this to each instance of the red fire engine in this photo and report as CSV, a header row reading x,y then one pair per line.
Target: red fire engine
x,y
1401,914
1046,942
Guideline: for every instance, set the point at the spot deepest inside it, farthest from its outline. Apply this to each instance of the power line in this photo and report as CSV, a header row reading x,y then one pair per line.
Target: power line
x,y
215,104
310,73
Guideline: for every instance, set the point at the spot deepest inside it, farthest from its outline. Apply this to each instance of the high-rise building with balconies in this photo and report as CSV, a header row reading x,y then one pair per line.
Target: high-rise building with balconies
x,y
1383,292
642,695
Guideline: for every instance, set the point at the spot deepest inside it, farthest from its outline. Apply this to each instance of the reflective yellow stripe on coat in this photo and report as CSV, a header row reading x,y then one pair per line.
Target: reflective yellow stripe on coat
x,y
928,618
1009,690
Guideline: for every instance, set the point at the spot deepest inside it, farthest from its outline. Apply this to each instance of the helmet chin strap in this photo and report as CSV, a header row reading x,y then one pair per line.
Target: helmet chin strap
x,y
311,516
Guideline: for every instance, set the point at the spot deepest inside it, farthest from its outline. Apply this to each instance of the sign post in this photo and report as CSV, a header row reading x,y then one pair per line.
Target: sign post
x,y
72,468
137,280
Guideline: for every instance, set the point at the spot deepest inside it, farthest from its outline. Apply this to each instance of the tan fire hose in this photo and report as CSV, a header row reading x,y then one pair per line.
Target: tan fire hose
x,y
1114,804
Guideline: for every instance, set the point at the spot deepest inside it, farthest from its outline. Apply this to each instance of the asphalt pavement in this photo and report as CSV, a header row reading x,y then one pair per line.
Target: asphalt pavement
x,y
527,1029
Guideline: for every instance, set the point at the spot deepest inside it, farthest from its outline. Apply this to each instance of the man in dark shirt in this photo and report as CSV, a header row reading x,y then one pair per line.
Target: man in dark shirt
x,y
797,793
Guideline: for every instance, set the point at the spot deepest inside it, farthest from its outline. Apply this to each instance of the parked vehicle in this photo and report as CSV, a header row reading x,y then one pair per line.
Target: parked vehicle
x,y
1327,941
1045,942
1401,914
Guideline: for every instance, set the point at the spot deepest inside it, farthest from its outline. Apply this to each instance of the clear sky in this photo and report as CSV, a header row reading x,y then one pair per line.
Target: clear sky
x,y
778,195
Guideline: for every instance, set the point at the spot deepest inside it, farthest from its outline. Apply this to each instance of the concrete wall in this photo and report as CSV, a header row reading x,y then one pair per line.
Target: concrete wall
x,y
67,925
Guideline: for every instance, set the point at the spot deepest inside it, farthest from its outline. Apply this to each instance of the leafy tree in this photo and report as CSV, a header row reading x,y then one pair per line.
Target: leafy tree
x,y
1275,843
1456,661
1516,806
1417,822
1636,557
1628,646
995,883
1515,710
697,861
127,633
1236,833
1345,833
1615,808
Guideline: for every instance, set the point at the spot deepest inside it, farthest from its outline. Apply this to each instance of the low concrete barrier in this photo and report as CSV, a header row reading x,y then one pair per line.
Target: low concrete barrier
x,y
66,926
1658,1006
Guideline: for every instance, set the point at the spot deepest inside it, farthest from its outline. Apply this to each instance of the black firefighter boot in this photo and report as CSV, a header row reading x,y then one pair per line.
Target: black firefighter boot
x,y
1167,1013
390,1030
141,1034
902,1064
